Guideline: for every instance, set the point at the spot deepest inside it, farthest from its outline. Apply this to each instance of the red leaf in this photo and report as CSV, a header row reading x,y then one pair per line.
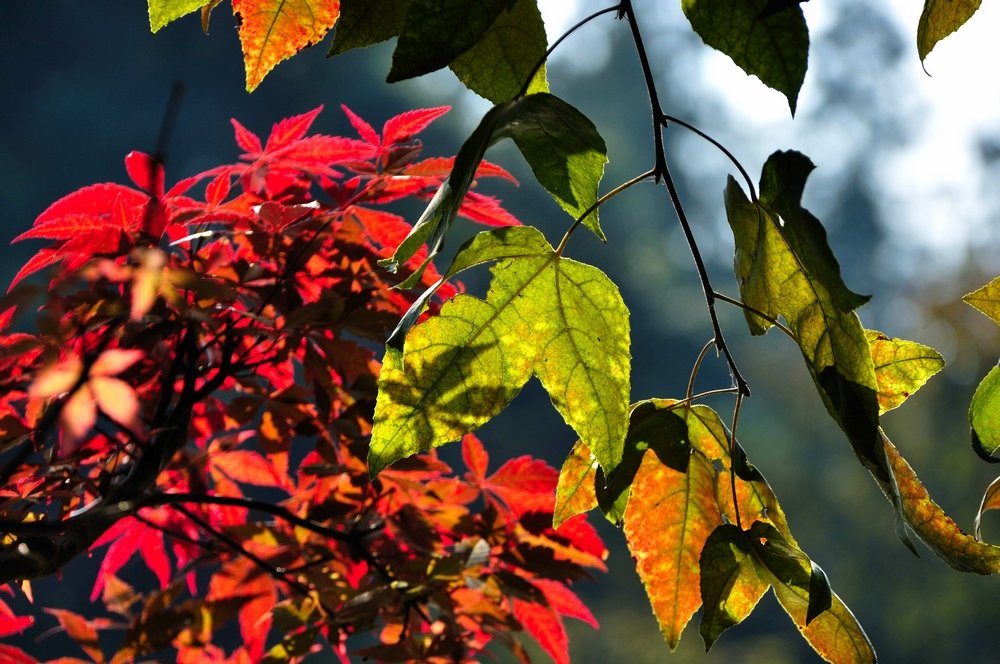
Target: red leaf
x,y
486,210
546,627
565,601
14,655
130,537
11,623
146,172
217,190
96,200
406,125
44,258
289,130
583,536
475,456
364,129
524,484
246,139
246,467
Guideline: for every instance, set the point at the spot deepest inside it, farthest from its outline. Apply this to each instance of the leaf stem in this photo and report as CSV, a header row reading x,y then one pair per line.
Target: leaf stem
x,y
732,457
669,119
550,49
756,312
599,202
695,368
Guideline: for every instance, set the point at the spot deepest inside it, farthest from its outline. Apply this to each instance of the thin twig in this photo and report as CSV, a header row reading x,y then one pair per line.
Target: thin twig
x,y
756,312
695,368
598,203
550,49
722,148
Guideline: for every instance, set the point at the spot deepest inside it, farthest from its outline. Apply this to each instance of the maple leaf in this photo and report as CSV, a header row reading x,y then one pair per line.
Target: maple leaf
x,y
521,485
289,153
129,537
89,389
273,30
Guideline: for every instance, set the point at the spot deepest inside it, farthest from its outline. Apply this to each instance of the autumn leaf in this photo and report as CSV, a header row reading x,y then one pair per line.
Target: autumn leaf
x,y
986,300
273,30
575,492
935,528
670,514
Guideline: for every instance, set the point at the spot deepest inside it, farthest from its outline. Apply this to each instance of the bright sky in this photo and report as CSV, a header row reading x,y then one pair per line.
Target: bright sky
x,y
931,191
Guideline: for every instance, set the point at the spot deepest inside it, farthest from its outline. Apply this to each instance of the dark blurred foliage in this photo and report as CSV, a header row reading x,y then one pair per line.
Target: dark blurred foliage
x,y
84,83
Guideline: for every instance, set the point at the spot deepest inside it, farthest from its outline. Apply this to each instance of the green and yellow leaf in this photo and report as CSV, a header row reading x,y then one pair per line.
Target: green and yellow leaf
x,y
984,416
575,490
499,64
164,12
939,19
544,315
986,300
901,367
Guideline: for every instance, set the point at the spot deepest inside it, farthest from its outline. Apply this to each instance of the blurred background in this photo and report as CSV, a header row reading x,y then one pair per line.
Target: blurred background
x,y
905,185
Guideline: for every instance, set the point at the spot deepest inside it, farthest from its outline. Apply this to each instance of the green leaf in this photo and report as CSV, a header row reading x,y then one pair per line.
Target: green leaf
x,y
785,268
984,416
774,48
575,489
563,149
560,144
438,31
499,64
986,300
366,22
164,12
669,517
730,586
545,315
939,19
901,367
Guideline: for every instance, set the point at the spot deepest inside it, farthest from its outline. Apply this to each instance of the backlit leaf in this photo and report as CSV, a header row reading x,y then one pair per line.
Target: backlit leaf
x,y
546,315
984,416
500,63
804,592
730,586
546,627
785,268
901,367
575,490
774,48
939,19
670,514
164,12
937,530
438,31
986,300
273,30
563,148
82,632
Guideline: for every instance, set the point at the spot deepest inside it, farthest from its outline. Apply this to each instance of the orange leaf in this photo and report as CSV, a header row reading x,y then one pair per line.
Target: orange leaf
x,y
273,30
80,631
117,400
938,530
246,467
669,517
